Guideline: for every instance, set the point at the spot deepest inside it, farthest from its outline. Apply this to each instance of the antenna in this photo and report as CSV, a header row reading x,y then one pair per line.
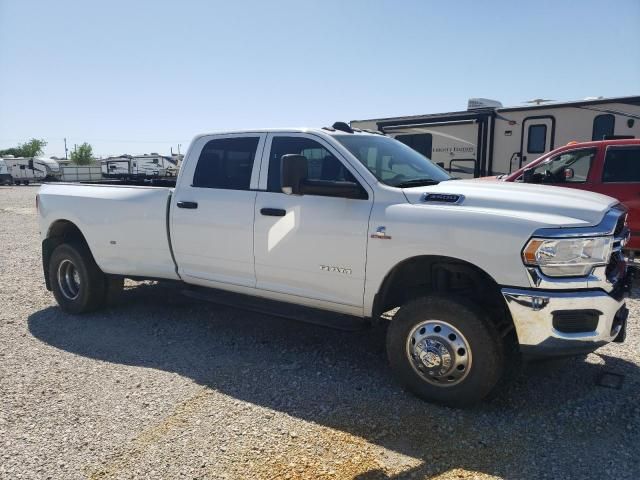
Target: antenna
x,y
538,101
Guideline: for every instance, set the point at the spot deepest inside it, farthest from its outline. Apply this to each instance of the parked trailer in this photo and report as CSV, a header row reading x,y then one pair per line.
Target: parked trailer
x,y
141,166
488,139
24,170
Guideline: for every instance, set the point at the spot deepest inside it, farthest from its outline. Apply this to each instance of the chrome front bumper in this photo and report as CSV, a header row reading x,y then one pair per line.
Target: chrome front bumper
x,y
533,313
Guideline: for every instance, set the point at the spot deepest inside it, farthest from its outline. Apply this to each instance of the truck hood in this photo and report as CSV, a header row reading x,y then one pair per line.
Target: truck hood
x,y
553,206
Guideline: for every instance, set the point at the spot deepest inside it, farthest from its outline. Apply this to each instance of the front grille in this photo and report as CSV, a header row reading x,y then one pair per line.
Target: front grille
x,y
576,321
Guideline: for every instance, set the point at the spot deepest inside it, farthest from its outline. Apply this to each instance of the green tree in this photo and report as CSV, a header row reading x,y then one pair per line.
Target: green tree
x,y
83,155
33,147
15,151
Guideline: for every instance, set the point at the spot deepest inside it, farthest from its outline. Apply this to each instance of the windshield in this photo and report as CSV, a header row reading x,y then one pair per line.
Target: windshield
x,y
392,162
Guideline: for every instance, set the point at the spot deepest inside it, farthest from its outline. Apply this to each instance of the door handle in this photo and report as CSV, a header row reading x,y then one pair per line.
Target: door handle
x,y
273,212
190,205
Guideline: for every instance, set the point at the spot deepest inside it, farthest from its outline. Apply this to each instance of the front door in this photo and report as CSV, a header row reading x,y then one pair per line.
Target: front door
x,y
308,245
537,138
212,210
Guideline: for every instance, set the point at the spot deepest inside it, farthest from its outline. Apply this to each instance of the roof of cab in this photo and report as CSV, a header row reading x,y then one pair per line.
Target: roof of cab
x,y
338,128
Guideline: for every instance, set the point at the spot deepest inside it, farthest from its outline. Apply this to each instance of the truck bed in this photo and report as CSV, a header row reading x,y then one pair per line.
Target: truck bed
x,y
124,225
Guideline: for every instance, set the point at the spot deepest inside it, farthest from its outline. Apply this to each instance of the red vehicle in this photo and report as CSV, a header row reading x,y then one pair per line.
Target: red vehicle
x,y
610,167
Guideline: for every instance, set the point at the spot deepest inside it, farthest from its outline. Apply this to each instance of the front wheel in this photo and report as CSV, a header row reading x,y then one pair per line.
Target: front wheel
x,y
76,280
445,350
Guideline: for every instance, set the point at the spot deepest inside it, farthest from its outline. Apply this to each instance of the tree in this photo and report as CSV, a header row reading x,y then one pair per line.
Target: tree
x,y
15,151
83,155
33,147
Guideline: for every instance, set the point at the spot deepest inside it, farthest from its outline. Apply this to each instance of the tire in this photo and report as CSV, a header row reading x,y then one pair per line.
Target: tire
x,y
78,284
428,363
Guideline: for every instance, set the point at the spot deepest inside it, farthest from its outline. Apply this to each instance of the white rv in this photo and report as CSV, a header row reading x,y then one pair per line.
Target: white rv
x,y
25,170
488,139
139,166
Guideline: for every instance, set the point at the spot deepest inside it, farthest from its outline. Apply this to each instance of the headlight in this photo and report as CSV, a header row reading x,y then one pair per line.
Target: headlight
x,y
567,257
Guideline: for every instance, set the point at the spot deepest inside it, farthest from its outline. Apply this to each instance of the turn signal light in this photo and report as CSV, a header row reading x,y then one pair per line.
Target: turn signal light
x,y
529,253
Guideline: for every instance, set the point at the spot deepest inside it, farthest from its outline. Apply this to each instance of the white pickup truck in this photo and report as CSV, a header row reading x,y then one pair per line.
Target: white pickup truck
x,y
358,224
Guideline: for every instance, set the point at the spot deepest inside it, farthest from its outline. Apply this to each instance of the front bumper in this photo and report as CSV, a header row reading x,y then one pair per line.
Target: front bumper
x,y
540,320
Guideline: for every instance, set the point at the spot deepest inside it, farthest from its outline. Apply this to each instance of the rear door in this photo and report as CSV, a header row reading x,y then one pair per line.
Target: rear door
x,y
307,245
620,179
212,210
537,138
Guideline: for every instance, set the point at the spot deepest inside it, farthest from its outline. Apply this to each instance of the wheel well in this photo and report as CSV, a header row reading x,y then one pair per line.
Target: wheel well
x,y
422,275
60,231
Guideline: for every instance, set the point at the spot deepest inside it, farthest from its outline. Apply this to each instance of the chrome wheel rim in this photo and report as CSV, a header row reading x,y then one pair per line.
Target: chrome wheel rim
x,y
68,280
439,353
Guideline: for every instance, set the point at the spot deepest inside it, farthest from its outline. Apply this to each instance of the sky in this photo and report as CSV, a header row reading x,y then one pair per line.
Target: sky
x,y
144,76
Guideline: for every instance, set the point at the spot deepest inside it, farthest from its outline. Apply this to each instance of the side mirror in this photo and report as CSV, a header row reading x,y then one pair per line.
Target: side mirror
x,y
569,173
527,175
293,171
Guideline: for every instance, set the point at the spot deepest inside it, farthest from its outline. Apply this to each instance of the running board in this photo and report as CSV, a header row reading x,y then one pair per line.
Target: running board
x,y
276,308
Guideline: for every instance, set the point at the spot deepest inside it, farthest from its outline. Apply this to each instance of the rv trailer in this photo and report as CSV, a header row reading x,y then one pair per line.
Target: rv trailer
x,y
139,166
489,139
25,170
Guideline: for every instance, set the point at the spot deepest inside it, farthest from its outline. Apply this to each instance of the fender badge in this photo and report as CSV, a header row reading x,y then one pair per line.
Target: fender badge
x,y
381,233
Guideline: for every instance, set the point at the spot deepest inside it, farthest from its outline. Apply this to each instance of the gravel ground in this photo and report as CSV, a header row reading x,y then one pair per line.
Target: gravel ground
x,y
161,386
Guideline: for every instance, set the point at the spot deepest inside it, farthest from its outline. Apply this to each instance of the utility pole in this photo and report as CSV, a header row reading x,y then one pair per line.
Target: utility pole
x,y
65,148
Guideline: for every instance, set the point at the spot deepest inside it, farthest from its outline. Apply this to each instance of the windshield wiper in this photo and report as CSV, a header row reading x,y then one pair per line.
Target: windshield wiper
x,y
417,182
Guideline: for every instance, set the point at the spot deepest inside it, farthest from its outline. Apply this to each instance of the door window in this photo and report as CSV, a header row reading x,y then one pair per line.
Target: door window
x,y
568,167
603,126
226,163
622,164
322,164
537,138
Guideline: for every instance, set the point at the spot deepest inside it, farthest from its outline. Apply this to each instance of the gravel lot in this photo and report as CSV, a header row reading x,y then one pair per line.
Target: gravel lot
x,y
161,386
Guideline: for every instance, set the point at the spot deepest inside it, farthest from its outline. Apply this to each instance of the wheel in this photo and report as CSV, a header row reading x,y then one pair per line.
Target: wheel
x,y
444,350
26,182
78,284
